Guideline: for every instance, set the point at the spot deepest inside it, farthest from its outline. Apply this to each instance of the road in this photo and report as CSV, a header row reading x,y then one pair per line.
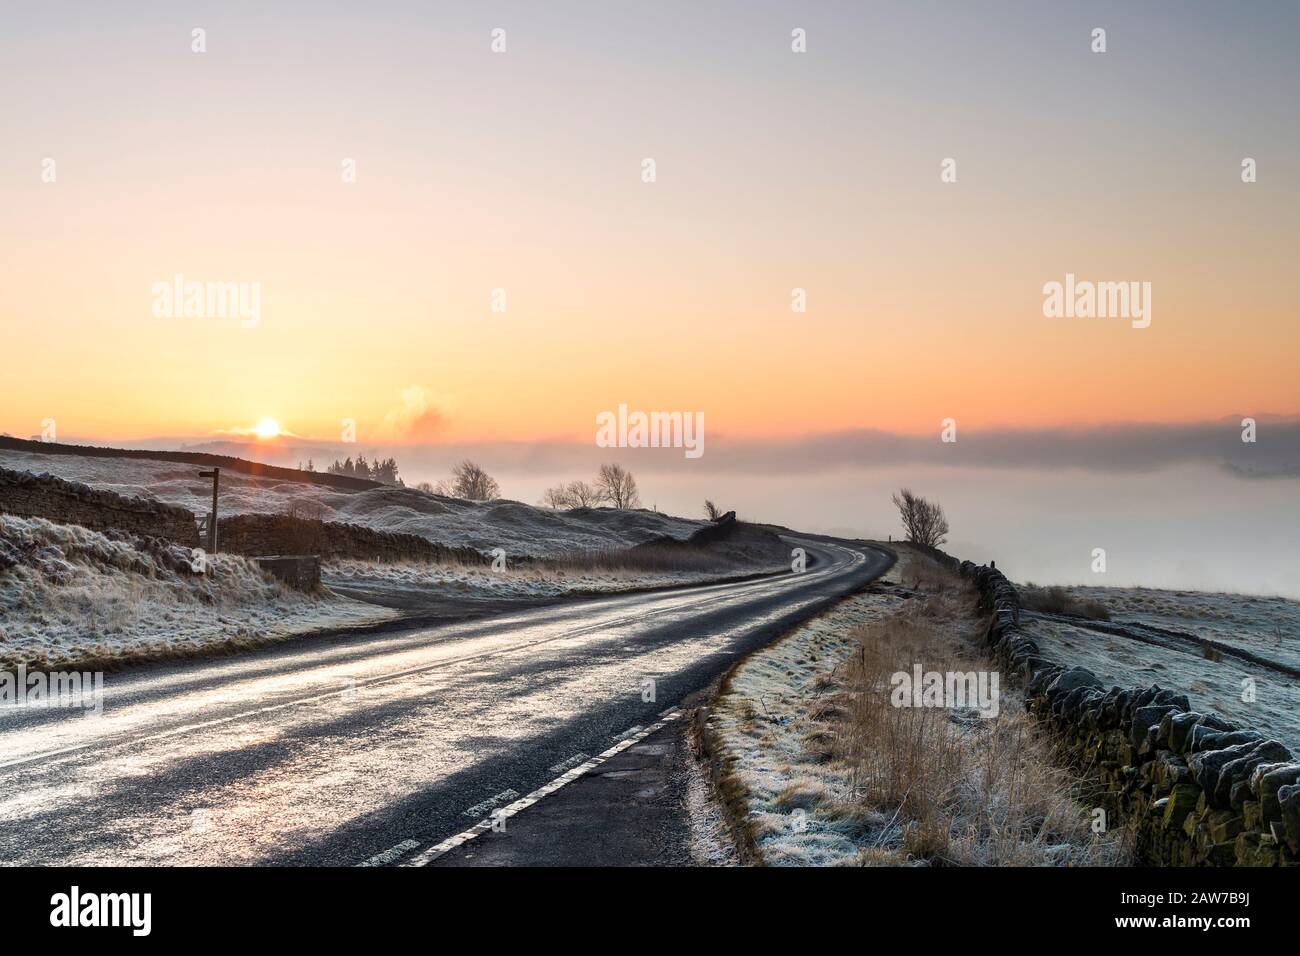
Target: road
x,y
337,751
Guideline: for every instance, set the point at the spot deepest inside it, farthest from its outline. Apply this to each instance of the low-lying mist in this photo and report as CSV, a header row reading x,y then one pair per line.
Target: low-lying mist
x,y
1197,527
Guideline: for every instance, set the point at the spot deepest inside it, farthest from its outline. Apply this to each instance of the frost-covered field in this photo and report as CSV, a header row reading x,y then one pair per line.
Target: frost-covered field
x,y
71,597
522,530
1268,627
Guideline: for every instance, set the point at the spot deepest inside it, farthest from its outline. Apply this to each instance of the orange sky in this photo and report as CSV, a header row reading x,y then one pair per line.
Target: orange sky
x,y
521,172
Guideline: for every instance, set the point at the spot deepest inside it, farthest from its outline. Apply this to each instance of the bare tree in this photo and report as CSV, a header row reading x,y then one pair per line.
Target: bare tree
x,y
557,497
575,494
470,481
584,495
617,486
711,510
923,520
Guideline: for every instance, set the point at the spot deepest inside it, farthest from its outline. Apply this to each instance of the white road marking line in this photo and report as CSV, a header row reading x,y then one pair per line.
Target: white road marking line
x,y
388,856
438,849
505,796
569,764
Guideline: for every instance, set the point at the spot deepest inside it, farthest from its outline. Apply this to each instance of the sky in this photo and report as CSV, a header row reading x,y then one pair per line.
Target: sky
x,y
484,177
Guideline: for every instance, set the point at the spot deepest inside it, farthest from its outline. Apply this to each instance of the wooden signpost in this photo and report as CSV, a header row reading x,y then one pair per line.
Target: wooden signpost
x,y
215,475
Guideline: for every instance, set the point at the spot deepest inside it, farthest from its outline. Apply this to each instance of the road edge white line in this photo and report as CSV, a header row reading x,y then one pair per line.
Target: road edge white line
x,y
523,803
491,803
388,856
563,765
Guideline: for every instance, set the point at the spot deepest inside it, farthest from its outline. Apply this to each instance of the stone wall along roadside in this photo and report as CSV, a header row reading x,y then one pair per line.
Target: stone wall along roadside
x,y
1195,789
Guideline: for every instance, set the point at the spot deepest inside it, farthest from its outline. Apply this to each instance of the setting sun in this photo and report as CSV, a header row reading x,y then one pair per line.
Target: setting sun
x,y
267,428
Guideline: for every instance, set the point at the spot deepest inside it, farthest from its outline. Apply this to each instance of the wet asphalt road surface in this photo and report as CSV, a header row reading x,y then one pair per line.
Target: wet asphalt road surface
x,y
337,750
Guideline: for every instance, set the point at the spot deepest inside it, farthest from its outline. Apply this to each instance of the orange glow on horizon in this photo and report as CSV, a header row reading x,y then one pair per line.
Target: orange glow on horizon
x,y
497,270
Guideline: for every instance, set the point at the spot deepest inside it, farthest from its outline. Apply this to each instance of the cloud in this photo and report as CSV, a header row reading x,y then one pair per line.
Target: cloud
x,y
1106,449
417,418
251,432
1101,448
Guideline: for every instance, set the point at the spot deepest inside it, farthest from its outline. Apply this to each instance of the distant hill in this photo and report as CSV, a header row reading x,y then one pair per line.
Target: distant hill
x,y
255,469
286,454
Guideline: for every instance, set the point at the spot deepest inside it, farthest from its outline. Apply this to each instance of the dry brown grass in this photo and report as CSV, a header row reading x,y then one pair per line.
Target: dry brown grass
x,y
977,791
1057,600
921,574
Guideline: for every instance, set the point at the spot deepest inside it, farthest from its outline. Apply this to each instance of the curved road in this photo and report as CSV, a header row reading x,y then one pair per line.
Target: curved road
x,y
332,751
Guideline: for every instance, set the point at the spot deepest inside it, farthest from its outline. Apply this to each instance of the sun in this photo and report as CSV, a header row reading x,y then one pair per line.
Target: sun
x,y
267,428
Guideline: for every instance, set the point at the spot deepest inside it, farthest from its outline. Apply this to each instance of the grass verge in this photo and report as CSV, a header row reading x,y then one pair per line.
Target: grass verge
x,y
816,765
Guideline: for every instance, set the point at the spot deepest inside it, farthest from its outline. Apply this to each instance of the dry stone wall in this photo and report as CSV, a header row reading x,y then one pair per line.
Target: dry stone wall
x,y
300,571
256,535
69,502
253,535
1195,789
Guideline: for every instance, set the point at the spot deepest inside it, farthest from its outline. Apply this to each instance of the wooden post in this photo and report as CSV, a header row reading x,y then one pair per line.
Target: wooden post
x,y
215,475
